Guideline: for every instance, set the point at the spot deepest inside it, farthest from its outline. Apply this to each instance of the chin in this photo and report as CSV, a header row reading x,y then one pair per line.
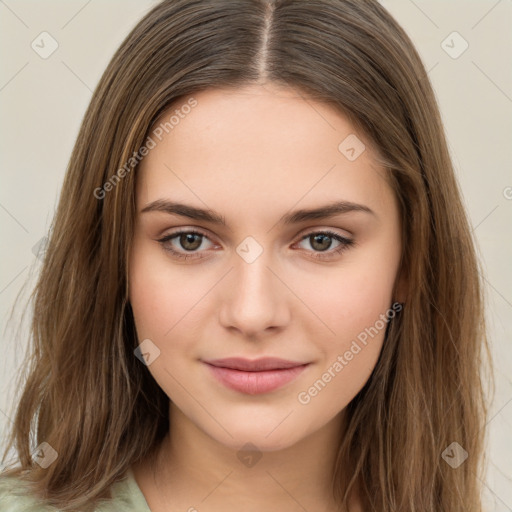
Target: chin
x,y
263,438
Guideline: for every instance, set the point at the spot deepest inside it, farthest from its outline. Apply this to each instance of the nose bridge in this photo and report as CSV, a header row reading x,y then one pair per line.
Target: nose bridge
x,y
252,280
254,300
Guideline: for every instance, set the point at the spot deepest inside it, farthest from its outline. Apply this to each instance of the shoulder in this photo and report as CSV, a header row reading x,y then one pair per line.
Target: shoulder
x,y
16,497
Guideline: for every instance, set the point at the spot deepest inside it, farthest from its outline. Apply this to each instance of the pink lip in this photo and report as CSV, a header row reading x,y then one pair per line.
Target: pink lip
x,y
255,377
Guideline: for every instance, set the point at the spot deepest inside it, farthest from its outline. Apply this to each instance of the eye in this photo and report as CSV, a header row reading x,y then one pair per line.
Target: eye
x,y
191,240
322,241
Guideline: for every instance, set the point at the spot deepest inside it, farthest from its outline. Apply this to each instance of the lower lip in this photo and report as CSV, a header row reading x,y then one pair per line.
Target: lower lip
x,y
255,383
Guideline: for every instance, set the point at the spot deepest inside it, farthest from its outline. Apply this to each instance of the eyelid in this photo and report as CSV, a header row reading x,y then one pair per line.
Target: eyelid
x,y
345,242
304,233
344,233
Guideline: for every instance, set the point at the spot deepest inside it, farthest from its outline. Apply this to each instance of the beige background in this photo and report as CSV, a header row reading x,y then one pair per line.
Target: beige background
x,y
42,102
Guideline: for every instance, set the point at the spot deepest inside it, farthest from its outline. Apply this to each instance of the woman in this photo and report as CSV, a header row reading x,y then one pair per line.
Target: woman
x,y
260,289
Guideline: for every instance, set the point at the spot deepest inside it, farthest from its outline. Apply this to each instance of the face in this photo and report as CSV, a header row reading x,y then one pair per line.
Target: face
x,y
241,270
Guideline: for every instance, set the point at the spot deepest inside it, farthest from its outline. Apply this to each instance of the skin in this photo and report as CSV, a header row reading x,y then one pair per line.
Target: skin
x,y
253,155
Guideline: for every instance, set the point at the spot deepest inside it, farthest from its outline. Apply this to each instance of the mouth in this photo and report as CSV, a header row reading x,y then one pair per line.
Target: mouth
x,y
257,376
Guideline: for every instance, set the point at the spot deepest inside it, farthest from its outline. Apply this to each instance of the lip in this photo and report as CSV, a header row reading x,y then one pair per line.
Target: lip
x,y
257,376
254,365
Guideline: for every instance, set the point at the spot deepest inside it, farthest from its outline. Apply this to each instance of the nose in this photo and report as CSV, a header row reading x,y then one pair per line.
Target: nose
x,y
254,299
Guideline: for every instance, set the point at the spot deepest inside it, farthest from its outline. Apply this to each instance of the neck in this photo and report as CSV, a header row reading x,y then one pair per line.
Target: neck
x,y
194,471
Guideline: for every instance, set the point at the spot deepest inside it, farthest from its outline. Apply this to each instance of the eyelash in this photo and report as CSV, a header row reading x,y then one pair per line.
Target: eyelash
x,y
345,244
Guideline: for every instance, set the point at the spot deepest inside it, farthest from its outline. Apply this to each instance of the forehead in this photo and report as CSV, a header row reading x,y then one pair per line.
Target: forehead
x,y
242,146
258,116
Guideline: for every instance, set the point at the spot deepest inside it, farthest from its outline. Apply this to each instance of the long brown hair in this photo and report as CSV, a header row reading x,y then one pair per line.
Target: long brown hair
x,y
91,399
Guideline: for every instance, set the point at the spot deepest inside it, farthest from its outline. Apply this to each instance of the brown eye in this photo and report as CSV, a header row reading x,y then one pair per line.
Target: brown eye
x,y
321,242
188,243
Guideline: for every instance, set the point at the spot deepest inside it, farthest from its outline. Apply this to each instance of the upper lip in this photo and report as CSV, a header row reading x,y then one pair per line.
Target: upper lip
x,y
265,363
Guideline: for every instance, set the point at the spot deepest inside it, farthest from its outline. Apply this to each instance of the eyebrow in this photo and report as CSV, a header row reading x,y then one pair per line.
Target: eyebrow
x,y
295,217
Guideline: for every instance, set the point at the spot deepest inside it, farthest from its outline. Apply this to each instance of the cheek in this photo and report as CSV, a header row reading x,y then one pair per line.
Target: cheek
x,y
349,356
162,300
353,296
158,295
356,309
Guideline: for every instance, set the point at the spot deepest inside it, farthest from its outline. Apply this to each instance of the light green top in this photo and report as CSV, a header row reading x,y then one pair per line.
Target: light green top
x,y
126,496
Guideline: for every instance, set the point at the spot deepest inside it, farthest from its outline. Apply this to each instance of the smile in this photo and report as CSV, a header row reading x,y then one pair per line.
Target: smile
x,y
255,377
